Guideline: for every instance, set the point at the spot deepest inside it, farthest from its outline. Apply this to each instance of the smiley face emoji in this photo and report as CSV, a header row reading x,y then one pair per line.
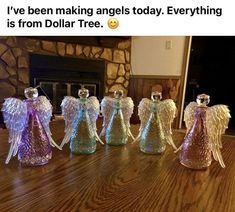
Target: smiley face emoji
x,y
113,23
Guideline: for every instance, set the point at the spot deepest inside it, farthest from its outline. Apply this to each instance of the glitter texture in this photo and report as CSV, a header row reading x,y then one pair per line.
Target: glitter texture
x,y
116,113
28,124
116,132
80,122
205,126
196,150
152,140
83,139
156,118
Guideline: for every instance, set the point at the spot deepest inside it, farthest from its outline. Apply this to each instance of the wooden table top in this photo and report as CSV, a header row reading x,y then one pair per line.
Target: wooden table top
x,y
116,179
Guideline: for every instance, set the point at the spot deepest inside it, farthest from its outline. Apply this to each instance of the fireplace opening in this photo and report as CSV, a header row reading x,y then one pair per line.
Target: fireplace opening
x,y
63,76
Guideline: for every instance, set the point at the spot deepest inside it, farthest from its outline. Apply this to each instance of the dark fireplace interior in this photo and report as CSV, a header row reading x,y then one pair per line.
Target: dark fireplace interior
x,y
63,76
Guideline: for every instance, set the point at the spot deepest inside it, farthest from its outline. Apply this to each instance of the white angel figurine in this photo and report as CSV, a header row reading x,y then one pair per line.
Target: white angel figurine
x,y
80,122
156,118
116,113
205,126
29,132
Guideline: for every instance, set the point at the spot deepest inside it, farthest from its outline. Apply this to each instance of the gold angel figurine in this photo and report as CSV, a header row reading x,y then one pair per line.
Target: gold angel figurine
x,y
117,112
205,126
156,117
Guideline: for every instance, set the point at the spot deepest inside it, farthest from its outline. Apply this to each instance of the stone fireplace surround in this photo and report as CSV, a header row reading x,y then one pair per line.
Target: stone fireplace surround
x,y
14,61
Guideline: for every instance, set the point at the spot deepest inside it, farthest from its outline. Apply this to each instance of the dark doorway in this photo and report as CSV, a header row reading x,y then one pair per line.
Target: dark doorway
x,y
211,71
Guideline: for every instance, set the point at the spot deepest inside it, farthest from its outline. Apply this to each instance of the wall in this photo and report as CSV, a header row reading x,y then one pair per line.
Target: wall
x,y
149,55
157,68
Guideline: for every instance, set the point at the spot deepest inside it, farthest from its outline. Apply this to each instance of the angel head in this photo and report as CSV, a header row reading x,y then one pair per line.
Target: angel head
x,y
203,99
83,93
31,93
156,96
118,94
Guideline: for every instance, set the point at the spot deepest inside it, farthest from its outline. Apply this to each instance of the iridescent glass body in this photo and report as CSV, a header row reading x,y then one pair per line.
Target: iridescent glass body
x,y
196,150
116,133
34,148
152,137
83,139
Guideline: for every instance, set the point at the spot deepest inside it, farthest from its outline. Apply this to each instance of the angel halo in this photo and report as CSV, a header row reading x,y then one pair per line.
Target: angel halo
x,y
28,124
156,118
205,126
116,113
80,122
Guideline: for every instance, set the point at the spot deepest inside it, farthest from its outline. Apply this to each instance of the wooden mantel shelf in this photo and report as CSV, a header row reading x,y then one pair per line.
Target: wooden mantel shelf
x,y
116,179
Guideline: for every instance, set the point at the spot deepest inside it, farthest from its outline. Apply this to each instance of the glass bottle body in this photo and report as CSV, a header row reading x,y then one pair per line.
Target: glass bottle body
x,y
196,149
34,148
83,140
116,133
152,137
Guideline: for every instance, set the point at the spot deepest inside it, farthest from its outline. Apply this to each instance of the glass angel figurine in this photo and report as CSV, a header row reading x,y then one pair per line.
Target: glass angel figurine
x,y
156,117
205,126
80,122
29,132
117,112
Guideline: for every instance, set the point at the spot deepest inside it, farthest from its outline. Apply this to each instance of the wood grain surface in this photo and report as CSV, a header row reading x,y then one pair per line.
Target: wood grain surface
x,y
116,179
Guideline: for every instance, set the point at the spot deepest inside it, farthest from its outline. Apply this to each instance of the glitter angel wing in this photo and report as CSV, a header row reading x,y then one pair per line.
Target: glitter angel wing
x,y
106,110
144,109
70,107
93,112
127,106
127,110
167,112
189,115
15,116
44,111
217,120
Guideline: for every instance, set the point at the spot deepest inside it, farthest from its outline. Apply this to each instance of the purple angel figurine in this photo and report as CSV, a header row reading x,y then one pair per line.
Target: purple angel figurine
x,y
29,132
205,126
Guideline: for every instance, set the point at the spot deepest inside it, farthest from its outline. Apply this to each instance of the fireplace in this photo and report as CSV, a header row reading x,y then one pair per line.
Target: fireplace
x,y
63,76
60,65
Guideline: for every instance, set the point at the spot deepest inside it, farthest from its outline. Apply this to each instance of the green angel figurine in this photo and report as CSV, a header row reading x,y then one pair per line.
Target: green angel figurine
x,y
80,122
156,118
116,112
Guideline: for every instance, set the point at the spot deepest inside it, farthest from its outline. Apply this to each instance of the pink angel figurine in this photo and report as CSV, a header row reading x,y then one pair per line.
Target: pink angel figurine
x,y
205,126
29,132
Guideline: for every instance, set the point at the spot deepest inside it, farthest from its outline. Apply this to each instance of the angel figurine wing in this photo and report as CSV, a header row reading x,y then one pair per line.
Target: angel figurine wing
x,y
189,114
106,110
70,107
93,112
15,116
127,110
167,112
217,122
144,109
44,109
